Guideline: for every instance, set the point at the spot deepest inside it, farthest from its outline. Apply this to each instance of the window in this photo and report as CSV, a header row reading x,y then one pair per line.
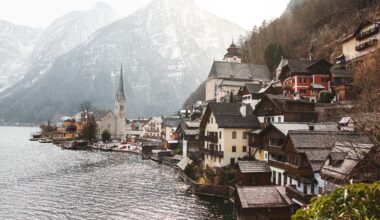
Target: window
x,y
245,135
272,119
220,135
234,135
302,91
220,160
325,80
312,188
274,177
212,120
266,155
279,119
233,148
279,179
244,148
232,161
285,179
302,80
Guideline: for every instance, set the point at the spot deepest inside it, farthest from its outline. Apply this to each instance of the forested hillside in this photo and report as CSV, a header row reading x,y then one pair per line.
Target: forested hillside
x,y
309,27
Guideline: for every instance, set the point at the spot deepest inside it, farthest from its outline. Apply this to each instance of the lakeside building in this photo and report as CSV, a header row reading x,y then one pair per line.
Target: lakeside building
x,y
189,131
169,127
152,129
363,41
266,143
302,156
305,78
262,202
225,127
253,173
227,77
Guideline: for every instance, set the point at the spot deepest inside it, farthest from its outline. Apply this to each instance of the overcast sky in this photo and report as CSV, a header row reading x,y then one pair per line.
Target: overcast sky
x,y
40,13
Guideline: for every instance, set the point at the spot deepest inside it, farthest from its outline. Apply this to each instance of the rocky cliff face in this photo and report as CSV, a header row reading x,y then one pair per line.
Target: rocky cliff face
x,y
166,49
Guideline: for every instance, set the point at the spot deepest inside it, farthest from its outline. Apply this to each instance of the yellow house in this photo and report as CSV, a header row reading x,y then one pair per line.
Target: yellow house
x,y
225,128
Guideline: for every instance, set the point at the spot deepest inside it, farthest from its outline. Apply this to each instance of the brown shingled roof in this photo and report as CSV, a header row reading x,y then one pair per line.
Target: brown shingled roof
x,y
263,197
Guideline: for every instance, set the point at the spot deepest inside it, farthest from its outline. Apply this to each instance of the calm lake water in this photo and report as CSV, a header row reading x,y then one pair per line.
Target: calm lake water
x,y
41,181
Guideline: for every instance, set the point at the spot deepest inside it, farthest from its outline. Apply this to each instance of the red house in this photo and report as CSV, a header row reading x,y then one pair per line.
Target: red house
x,y
306,78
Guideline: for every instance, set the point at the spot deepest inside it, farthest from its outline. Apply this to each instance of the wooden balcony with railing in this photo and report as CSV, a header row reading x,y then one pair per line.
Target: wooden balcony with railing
x,y
213,152
293,193
211,138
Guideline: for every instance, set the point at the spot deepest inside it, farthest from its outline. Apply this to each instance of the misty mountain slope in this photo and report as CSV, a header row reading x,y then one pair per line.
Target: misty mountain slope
x,y
16,44
166,49
64,34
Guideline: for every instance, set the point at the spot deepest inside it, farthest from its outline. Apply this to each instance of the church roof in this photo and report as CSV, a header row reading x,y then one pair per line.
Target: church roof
x,y
239,71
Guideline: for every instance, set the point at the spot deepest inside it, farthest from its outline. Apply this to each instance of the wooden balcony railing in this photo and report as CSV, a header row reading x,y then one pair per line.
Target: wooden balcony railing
x,y
211,139
213,152
293,193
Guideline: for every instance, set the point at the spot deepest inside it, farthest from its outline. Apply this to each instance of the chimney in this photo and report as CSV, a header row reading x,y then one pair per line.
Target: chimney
x,y
311,127
243,110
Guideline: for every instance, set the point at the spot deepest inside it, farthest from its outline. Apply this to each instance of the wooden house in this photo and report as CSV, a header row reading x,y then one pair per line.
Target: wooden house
x,y
262,202
302,156
276,108
253,173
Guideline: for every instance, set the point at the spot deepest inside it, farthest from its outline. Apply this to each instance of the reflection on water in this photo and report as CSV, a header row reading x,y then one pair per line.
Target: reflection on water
x,y
42,181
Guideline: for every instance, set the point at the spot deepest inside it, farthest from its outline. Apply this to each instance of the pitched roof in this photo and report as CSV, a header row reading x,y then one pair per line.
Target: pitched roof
x,y
346,156
364,22
184,162
280,100
171,122
317,145
285,127
192,124
253,88
100,114
239,71
263,196
227,115
342,73
253,167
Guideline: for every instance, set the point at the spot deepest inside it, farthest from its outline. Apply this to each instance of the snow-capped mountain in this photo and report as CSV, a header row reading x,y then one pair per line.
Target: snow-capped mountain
x,y
64,34
16,44
166,49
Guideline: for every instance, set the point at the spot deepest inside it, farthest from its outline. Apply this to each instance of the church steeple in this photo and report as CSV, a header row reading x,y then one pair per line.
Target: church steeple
x,y
120,88
233,55
120,107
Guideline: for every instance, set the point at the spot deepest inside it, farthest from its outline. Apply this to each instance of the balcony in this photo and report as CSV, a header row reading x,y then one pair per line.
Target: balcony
x,y
366,45
368,33
213,152
291,169
293,193
211,138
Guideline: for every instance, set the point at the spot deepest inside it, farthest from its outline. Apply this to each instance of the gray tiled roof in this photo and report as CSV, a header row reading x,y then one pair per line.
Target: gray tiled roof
x,y
253,88
263,196
348,155
342,73
318,144
227,115
171,122
239,71
254,167
100,114
285,127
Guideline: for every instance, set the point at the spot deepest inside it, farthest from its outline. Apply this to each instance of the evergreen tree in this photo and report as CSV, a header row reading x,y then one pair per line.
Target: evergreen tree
x,y
89,130
106,136
273,55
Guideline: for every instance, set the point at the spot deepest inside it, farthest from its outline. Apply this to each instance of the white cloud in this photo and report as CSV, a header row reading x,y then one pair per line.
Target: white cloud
x,y
39,13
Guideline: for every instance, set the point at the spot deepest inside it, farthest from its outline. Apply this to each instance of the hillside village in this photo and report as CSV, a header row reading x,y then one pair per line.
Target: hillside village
x,y
268,141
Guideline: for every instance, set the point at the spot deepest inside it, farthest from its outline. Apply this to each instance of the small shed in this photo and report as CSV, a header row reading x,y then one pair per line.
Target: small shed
x,y
254,173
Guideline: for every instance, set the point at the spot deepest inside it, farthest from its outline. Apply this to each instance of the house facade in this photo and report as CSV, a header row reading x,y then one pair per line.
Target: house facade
x,y
225,129
152,129
362,42
105,120
302,156
277,108
306,78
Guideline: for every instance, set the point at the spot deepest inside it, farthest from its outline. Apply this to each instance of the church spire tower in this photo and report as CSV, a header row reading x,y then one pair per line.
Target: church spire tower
x,y
120,107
